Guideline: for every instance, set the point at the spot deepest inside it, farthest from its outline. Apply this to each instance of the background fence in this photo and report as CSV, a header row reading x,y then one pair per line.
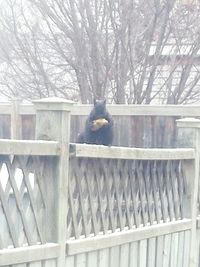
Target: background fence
x,y
91,206
135,125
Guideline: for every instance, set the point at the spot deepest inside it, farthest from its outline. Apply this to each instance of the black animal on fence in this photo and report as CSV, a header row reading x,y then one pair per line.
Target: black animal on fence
x,y
98,127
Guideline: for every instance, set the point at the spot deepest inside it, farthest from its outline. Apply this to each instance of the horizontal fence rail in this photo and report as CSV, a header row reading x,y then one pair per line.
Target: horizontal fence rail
x,y
143,110
79,246
26,147
117,110
91,151
27,255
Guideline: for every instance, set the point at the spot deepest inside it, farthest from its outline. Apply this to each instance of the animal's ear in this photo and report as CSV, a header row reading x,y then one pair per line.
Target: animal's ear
x,y
95,101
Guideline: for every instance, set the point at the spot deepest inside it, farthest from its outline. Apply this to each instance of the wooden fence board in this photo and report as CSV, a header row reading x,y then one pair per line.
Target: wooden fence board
x,y
22,147
186,249
167,250
134,254
180,255
91,151
114,256
28,254
124,255
103,241
92,259
69,262
174,250
159,250
103,257
142,253
151,252
81,260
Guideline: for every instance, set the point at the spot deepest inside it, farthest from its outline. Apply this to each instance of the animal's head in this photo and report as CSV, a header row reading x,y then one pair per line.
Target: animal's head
x,y
100,106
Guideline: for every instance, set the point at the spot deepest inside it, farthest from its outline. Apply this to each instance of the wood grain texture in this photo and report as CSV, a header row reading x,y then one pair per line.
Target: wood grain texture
x,y
22,147
97,151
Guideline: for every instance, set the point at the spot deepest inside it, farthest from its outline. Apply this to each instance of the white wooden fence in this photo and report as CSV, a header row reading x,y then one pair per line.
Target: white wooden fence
x,y
94,206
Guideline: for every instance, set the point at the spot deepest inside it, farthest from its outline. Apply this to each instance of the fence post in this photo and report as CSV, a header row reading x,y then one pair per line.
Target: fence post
x,y
53,123
16,122
189,136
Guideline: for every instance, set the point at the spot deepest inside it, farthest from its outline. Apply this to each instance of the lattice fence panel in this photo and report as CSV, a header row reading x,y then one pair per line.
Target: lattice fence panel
x,y
107,195
22,203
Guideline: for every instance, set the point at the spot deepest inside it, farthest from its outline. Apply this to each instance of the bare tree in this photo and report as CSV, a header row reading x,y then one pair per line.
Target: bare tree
x,y
31,69
129,51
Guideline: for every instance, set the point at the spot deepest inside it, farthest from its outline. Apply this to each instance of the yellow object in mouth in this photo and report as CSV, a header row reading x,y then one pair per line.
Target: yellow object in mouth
x,y
97,124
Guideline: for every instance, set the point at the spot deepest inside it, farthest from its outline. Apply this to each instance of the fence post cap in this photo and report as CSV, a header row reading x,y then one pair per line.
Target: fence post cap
x,y
188,123
53,103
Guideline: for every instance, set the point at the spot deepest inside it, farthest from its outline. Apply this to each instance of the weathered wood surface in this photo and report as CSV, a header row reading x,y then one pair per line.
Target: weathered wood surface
x,y
133,201
33,190
23,201
117,110
135,125
53,123
22,147
135,131
80,246
91,151
37,253
164,250
190,130
109,195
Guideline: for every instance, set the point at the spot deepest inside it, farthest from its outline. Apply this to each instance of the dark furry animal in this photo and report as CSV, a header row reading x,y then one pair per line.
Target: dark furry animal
x,y
98,126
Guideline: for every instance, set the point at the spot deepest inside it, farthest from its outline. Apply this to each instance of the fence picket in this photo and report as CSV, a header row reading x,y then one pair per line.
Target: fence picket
x,y
180,255
159,250
167,251
151,257
103,257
